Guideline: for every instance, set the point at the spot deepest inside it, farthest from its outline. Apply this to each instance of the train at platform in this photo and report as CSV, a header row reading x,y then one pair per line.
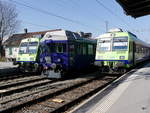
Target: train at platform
x,y
117,51
65,51
60,52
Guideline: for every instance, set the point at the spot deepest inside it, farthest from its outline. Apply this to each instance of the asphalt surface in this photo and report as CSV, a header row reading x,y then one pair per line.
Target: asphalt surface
x,y
129,96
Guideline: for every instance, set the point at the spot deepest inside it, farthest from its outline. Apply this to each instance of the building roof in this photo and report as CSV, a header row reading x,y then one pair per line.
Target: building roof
x,y
15,39
135,8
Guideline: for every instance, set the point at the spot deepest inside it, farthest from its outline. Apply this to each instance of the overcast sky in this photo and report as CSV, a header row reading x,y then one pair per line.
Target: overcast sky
x,y
78,15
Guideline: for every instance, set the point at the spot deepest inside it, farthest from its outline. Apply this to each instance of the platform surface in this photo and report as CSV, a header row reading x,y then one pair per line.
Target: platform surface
x,y
130,95
4,65
7,67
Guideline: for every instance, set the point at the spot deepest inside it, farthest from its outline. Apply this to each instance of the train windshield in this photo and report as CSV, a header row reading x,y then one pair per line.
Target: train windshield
x,y
28,48
104,44
23,48
32,48
120,43
53,48
58,47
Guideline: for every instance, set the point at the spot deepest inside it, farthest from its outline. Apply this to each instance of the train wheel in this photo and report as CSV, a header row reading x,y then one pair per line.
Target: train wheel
x,y
122,70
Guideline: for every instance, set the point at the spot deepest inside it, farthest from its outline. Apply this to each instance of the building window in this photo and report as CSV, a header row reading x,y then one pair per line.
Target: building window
x,y
10,51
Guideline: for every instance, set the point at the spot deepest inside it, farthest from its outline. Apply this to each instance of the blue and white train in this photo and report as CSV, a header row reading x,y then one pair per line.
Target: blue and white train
x,y
64,51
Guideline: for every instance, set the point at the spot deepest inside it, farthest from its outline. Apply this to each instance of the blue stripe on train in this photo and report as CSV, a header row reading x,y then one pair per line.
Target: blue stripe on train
x,y
27,61
125,61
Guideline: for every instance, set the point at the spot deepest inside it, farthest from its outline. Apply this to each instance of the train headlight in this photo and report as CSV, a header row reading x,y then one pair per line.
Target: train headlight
x,y
53,65
122,57
36,65
58,60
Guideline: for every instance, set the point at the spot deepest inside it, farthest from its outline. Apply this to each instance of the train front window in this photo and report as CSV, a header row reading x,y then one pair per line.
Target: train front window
x,y
23,48
32,49
57,47
120,43
104,44
33,43
60,48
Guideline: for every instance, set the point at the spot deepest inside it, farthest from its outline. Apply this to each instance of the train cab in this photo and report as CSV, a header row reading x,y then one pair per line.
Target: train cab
x,y
117,50
65,51
28,55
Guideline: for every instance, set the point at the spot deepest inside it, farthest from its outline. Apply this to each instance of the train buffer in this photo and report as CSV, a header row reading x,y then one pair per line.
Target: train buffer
x,y
128,94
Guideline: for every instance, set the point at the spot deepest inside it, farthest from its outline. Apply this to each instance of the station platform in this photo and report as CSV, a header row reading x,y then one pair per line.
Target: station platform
x,y
128,94
7,67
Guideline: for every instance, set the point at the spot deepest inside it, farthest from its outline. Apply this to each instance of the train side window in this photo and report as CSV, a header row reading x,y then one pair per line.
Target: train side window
x,y
90,49
71,49
84,49
137,49
79,49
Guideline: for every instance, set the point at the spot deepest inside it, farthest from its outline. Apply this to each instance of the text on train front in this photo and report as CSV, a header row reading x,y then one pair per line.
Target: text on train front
x,y
113,44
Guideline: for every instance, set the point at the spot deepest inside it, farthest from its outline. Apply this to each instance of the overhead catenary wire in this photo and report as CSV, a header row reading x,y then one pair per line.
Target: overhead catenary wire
x,y
87,10
38,25
50,13
111,12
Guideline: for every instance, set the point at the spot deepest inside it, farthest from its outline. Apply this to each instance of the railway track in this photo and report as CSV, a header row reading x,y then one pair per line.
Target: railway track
x,y
19,81
11,76
37,93
63,101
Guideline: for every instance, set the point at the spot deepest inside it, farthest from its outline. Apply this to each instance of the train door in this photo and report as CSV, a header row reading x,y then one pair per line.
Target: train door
x,y
71,53
133,53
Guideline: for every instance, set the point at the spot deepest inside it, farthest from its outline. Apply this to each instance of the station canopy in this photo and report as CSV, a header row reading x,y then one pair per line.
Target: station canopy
x,y
135,8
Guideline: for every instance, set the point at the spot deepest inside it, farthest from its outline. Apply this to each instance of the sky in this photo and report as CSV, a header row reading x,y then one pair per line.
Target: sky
x,y
78,15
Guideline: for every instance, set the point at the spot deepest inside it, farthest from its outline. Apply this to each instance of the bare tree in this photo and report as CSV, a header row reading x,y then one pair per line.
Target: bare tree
x,y
8,21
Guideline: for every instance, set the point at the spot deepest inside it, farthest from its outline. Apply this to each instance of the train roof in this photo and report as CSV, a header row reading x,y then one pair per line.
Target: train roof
x,y
118,34
111,34
137,40
65,35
